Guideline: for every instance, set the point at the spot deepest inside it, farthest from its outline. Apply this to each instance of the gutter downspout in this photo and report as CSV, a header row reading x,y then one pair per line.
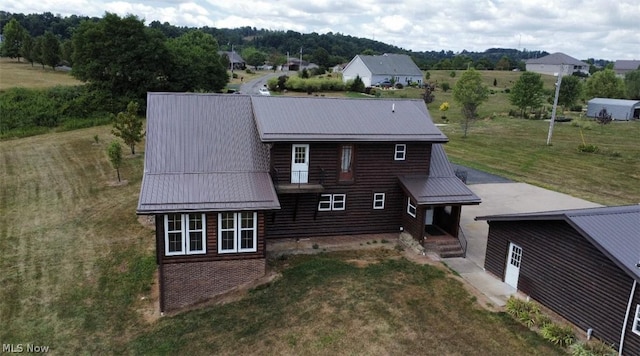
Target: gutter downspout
x,y
626,317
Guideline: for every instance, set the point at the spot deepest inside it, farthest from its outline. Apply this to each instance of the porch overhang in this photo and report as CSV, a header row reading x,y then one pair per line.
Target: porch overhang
x,y
425,190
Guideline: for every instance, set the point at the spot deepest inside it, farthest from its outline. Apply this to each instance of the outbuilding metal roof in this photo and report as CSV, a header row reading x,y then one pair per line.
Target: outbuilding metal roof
x,y
614,230
441,186
615,102
203,153
391,64
341,119
556,58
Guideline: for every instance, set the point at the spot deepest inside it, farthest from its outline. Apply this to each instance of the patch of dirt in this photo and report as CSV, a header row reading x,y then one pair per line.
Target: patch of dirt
x,y
115,183
150,304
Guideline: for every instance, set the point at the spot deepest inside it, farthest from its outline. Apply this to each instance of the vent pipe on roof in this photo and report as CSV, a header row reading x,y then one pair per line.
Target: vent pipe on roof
x,y
393,107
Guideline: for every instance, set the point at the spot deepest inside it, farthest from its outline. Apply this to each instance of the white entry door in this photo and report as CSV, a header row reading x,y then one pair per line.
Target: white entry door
x,y
300,163
514,259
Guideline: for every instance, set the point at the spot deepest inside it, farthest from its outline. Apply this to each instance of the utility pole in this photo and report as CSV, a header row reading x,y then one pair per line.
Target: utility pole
x,y
555,105
231,60
300,59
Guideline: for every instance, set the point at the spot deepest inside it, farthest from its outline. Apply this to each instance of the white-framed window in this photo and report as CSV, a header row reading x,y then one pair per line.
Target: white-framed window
x,y
636,321
378,200
184,234
330,202
401,152
237,232
411,209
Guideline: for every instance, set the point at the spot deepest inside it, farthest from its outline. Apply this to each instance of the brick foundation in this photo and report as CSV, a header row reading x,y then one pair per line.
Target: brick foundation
x,y
185,284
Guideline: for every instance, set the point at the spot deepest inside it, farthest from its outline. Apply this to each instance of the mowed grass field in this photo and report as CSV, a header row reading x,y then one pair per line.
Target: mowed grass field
x,y
77,265
77,272
22,74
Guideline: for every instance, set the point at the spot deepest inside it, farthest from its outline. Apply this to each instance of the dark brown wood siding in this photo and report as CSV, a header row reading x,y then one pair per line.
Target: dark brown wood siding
x,y
375,171
565,272
211,242
411,225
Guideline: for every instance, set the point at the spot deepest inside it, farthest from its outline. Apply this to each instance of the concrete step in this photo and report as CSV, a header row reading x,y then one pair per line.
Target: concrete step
x,y
451,254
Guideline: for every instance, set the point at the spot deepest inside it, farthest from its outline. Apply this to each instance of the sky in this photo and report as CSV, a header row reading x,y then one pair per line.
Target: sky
x,y
600,29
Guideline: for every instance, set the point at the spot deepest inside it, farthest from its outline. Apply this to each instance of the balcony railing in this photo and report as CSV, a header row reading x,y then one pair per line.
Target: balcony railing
x,y
297,181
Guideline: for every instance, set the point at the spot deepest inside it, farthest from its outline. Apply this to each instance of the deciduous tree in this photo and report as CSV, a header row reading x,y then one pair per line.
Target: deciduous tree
x,y
27,48
527,92
121,57
114,151
13,34
570,90
605,84
196,65
632,84
128,126
51,53
469,92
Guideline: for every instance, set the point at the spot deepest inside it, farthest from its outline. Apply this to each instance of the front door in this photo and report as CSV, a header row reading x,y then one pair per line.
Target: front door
x,y
300,164
514,259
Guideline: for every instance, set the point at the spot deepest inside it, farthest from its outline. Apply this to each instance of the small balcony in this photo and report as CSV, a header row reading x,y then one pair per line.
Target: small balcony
x,y
300,183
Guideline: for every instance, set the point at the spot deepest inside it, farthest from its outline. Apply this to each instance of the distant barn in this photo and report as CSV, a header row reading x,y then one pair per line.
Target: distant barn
x,y
619,109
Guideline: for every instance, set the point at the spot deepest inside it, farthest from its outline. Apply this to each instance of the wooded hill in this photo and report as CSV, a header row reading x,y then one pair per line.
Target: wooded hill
x,y
324,49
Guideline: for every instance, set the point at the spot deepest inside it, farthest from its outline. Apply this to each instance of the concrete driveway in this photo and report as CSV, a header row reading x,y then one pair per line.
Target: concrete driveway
x,y
500,198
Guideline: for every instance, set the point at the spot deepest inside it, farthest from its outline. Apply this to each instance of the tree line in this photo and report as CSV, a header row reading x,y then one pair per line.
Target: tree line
x,y
261,45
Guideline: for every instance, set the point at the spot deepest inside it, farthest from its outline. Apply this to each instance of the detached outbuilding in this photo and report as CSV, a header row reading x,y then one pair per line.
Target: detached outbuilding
x,y
620,109
583,264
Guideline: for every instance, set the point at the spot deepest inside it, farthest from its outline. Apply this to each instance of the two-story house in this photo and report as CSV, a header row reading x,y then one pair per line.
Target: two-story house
x,y
226,173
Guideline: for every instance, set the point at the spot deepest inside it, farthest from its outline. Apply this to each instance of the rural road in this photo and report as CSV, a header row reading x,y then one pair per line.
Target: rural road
x,y
251,87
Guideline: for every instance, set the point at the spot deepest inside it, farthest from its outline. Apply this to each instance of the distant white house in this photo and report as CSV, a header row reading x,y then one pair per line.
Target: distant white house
x,y
619,109
622,67
399,68
556,63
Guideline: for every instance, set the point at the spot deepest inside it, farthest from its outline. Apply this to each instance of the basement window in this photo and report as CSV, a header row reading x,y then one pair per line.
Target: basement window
x,y
184,234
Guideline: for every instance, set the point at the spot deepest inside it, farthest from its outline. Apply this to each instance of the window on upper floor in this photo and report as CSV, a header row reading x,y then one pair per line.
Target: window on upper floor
x,y
184,234
636,321
237,232
346,163
411,208
378,200
329,202
400,152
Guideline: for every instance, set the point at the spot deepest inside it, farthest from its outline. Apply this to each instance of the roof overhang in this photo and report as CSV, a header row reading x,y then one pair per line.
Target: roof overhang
x,y
227,191
427,190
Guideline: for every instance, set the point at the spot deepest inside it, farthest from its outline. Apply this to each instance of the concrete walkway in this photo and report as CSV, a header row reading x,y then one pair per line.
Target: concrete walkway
x,y
501,198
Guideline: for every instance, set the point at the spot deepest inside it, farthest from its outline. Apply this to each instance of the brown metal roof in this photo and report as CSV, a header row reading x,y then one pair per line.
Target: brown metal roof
x,y
206,192
203,153
614,230
343,119
441,186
